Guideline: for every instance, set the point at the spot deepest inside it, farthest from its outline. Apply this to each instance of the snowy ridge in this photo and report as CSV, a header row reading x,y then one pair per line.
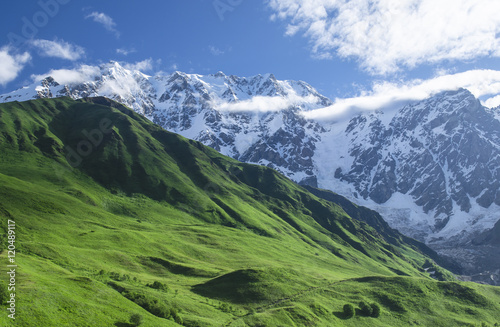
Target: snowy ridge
x,y
430,167
437,158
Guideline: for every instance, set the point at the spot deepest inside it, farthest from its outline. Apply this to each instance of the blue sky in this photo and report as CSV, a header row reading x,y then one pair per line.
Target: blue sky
x,y
355,51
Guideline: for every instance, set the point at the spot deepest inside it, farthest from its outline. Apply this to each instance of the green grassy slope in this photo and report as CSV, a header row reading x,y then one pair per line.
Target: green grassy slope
x,y
115,216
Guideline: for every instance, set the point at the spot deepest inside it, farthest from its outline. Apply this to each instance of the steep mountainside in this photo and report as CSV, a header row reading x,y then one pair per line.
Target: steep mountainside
x,y
430,167
442,153
115,216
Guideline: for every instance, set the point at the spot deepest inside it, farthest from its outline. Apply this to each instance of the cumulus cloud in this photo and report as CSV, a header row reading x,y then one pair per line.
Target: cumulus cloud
x,y
388,35
125,52
106,21
58,49
142,66
481,83
78,75
265,103
11,64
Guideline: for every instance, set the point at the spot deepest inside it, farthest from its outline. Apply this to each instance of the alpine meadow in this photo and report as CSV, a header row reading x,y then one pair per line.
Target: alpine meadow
x,y
250,163
119,222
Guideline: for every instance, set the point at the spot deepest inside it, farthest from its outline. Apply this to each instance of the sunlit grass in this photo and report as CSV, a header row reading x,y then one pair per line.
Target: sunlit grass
x,y
232,243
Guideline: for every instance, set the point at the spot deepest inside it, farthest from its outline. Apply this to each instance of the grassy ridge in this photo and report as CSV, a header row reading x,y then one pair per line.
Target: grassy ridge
x,y
106,204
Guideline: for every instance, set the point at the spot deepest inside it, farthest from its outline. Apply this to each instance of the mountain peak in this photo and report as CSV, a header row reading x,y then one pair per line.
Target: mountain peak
x,y
112,64
218,74
49,81
269,76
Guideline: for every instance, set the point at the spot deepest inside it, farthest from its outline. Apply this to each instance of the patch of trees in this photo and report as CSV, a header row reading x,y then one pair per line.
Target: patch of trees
x,y
364,309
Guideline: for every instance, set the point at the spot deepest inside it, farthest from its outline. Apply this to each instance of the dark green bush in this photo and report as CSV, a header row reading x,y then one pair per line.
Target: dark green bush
x,y
365,309
158,285
349,310
116,276
160,311
375,310
136,319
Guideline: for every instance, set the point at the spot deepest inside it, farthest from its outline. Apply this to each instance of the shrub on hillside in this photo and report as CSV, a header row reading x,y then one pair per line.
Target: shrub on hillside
x,y
136,319
116,276
365,309
158,286
375,310
349,310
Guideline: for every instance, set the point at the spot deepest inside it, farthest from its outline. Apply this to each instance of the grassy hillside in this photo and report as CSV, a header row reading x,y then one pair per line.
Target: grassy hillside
x,y
115,216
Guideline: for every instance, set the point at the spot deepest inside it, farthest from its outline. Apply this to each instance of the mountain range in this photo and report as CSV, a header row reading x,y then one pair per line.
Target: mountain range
x,y
119,222
429,167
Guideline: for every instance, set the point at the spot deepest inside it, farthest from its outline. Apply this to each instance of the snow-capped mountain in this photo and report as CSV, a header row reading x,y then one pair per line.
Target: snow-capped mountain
x,y
432,168
229,113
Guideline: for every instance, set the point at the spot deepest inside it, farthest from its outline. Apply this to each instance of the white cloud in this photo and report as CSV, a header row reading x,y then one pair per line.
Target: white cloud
x,y
11,64
265,103
481,83
215,51
58,49
106,21
123,87
141,66
84,73
492,102
387,35
125,52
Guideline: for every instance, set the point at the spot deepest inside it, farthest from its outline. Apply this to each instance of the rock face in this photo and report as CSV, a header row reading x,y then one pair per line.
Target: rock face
x,y
431,168
443,153
478,255
489,237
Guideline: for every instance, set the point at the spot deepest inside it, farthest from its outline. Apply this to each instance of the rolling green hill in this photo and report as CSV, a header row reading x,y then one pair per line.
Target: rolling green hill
x,y
115,216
